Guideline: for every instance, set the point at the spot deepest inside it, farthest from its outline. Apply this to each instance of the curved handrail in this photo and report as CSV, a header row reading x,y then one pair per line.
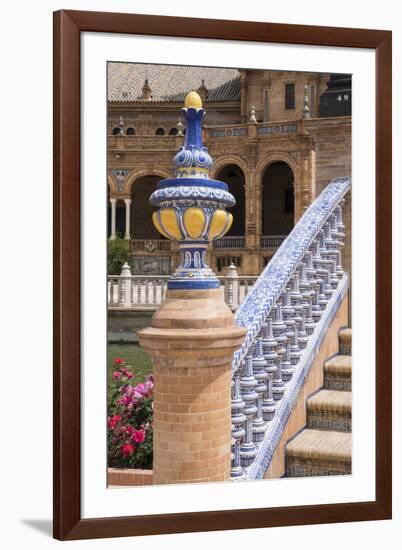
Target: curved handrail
x,y
273,279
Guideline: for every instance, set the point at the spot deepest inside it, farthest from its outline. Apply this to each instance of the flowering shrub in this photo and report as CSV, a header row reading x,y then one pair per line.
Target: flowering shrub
x,y
130,416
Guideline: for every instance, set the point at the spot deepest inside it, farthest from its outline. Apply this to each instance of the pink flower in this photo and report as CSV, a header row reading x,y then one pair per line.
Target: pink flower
x,y
144,389
118,361
125,372
127,449
116,375
129,430
125,400
113,421
140,388
138,436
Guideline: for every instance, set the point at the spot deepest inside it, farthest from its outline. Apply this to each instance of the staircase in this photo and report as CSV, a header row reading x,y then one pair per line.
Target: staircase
x,y
324,447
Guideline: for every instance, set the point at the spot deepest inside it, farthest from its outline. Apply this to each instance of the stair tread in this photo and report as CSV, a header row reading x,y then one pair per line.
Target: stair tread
x,y
331,400
345,334
341,364
324,445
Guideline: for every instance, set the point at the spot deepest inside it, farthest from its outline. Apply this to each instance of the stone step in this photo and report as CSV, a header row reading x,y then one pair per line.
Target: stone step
x,y
330,410
318,452
345,341
338,373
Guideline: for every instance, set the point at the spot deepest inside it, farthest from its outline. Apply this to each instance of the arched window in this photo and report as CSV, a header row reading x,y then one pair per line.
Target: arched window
x,y
116,131
160,132
234,177
277,199
141,225
173,131
130,131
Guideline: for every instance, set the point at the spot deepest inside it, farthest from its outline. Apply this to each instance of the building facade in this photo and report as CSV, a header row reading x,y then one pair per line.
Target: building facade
x,y
268,141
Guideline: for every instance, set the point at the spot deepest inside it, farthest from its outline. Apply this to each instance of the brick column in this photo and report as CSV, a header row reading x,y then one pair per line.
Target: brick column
x,y
191,340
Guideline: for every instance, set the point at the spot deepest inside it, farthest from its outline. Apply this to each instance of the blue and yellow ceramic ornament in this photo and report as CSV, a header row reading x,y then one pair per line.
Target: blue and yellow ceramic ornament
x,y
192,207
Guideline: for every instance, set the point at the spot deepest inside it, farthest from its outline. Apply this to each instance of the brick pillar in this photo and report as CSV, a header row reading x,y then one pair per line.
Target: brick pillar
x,y
191,340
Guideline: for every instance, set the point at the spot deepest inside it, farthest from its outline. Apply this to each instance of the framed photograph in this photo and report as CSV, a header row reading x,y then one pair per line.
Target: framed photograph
x,y
222,223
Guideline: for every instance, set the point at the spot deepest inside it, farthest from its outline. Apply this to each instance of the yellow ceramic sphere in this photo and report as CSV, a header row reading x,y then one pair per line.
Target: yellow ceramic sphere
x,y
158,226
220,224
193,100
168,222
194,221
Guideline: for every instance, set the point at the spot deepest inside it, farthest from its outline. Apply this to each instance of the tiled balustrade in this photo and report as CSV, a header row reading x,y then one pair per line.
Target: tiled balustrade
x,y
286,314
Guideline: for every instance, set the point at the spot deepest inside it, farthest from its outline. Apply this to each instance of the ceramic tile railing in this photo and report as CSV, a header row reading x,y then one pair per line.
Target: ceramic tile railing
x,y
286,314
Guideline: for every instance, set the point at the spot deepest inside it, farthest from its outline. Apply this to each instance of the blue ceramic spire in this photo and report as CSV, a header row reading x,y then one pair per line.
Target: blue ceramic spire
x,y
191,205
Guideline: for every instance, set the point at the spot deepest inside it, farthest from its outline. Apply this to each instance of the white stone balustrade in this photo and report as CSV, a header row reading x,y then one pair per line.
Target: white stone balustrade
x,y
286,314
129,291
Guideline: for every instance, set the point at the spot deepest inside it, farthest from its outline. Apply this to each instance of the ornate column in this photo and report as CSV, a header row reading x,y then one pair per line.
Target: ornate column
x,y
306,101
192,336
128,206
250,189
251,210
306,176
253,263
113,219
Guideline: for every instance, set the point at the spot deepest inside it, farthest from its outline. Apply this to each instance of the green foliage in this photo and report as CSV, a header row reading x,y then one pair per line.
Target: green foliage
x,y
134,355
118,252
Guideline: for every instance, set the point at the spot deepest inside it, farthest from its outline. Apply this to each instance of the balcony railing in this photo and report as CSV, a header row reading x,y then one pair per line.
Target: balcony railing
x,y
170,143
150,245
273,129
272,241
146,142
286,315
264,129
226,243
228,131
230,242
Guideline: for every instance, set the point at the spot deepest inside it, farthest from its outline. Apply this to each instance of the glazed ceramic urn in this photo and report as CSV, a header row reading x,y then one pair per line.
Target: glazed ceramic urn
x,y
191,206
